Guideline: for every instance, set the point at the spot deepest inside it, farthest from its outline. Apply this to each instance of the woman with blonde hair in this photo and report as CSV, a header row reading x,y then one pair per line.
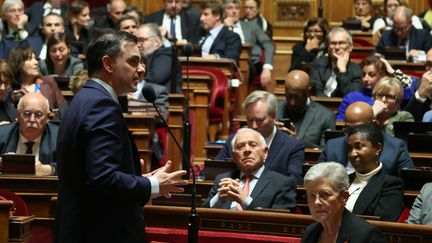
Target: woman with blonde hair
x,y
388,96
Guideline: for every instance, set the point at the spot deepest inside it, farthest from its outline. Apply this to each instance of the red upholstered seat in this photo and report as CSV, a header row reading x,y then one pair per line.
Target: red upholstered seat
x,y
404,215
20,207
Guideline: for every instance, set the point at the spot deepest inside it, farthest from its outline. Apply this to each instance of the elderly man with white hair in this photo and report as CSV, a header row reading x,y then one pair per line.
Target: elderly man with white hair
x,y
31,133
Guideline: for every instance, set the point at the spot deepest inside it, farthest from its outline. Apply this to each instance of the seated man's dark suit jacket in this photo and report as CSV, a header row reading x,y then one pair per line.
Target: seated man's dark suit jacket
x,y
286,155
190,24
9,136
159,70
352,229
227,44
316,120
101,190
419,39
8,109
394,155
383,196
346,82
272,190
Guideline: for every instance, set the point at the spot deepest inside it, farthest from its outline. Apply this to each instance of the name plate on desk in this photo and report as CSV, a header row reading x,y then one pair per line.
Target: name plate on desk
x,y
18,164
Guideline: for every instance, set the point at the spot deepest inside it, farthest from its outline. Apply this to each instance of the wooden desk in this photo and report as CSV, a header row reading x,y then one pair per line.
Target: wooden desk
x,y
330,102
363,37
5,207
176,125
255,222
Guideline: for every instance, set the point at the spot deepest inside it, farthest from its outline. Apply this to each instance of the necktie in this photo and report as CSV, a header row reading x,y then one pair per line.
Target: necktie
x,y
172,27
29,149
245,191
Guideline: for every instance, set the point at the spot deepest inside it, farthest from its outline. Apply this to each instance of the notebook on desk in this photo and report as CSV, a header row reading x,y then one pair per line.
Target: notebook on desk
x,y
18,164
394,53
419,143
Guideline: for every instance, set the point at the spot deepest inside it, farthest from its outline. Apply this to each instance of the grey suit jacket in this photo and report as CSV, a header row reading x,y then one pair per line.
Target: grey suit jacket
x,y
272,190
421,211
259,40
161,98
317,119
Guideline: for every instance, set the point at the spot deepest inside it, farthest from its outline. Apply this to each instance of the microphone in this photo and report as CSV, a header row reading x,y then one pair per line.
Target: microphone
x,y
194,220
188,50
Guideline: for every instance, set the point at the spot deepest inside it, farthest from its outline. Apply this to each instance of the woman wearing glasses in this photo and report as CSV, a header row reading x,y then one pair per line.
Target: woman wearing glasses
x,y
314,43
388,96
374,69
326,187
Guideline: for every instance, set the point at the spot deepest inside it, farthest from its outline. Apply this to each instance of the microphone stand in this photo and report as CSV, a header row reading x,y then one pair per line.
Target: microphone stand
x,y
174,66
194,219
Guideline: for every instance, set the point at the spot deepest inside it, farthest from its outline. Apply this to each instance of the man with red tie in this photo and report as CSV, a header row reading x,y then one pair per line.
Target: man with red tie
x,y
252,185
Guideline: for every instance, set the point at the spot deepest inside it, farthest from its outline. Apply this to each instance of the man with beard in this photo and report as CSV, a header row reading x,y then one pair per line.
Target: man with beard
x,y
31,134
308,119
159,57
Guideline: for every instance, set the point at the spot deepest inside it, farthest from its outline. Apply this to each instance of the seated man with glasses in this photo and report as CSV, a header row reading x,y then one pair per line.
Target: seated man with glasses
x,y
31,134
335,75
158,69
416,42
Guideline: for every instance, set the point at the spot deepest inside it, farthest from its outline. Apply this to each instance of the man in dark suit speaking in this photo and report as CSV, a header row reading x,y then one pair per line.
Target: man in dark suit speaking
x,y
252,185
101,189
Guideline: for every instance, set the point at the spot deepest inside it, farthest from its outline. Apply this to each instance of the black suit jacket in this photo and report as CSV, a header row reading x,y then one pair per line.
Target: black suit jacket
x,y
159,69
190,24
383,196
272,190
101,190
417,108
227,44
394,155
286,155
9,136
418,40
352,229
346,82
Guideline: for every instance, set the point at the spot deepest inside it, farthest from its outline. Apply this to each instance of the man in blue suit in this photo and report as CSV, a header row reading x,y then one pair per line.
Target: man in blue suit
x,y
394,155
101,189
219,42
285,154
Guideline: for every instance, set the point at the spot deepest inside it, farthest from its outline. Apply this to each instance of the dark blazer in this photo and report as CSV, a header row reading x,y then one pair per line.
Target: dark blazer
x,y
346,82
101,190
8,109
352,229
383,196
104,22
394,155
83,41
286,155
272,190
227,44
190,24
419,40
35,14
315,121
301,56
159,70
9,136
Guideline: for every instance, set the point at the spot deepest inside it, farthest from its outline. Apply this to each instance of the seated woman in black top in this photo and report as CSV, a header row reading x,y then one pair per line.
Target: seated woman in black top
x,y
314,43
363,12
